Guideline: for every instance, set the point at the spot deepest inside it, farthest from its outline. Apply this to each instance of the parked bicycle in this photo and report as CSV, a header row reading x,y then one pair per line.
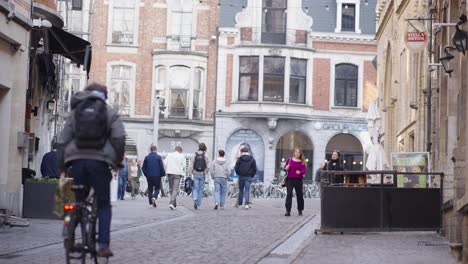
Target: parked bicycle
x,y
82,215
7,219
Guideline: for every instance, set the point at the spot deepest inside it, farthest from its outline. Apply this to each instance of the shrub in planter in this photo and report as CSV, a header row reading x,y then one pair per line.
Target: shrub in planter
x,y
38,198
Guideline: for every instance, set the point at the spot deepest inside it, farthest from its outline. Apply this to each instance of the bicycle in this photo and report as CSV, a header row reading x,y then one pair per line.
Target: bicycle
x,y
7,219
84,215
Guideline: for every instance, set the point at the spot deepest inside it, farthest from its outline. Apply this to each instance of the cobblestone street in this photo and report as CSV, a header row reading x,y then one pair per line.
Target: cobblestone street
x,y
259,235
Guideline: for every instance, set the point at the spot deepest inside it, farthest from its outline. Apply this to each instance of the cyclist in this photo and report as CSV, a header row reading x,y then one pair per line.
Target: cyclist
x,y
91,143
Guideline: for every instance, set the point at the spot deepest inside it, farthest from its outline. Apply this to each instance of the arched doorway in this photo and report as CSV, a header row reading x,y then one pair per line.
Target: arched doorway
x,y
252,140
351,151
285,147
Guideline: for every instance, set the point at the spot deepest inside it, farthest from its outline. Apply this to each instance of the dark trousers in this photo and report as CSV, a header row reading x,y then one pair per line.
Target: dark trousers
x,y
154,185
121,187
296,184
96,174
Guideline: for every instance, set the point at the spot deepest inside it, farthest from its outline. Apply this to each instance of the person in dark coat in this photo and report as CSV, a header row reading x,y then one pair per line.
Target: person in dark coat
x,y
246,168
49,168
334,165
153,169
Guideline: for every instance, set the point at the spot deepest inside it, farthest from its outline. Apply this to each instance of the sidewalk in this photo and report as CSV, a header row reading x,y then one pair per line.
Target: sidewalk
x,y
381,248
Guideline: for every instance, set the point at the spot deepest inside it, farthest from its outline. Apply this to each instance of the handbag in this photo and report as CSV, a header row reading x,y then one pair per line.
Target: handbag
x,y
283,183
129,187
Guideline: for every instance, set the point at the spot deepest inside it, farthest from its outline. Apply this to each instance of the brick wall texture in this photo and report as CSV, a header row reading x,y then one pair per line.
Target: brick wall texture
x,y
152,24
49,3
369,85
321,84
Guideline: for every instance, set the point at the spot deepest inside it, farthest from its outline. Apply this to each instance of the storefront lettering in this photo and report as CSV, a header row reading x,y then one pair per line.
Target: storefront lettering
x,y
340,126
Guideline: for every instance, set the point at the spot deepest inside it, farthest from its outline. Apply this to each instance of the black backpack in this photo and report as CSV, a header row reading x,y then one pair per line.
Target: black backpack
x,y
91,130
200,162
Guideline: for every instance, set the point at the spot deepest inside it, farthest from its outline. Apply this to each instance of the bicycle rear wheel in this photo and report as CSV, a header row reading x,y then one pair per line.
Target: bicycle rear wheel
x,y
16,221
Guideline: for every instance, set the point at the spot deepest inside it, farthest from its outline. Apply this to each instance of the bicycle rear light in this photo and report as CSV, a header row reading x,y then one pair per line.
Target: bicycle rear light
x,y
69,207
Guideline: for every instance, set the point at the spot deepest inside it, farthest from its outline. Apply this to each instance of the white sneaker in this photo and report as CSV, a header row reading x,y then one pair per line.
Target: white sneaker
x,y
247,206
154,202
172,207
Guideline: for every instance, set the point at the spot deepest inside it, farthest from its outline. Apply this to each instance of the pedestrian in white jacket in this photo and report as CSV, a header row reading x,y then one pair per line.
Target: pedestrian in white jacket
x,y
175,169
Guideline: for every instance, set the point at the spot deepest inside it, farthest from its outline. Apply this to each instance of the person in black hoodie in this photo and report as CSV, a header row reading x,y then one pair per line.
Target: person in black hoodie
x,y
246,168
334,165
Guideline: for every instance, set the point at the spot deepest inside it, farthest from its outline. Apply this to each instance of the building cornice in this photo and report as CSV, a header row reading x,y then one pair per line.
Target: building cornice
x,y
317,118
386,18
169,52
266,46
343,38
18,18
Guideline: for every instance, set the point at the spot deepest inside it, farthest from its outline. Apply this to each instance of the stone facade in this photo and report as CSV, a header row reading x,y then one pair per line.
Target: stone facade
x,y
14,60
172,42
275,126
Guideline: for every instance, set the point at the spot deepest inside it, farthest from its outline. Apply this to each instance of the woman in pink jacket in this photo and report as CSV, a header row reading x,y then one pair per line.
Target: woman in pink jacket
x,y
296,169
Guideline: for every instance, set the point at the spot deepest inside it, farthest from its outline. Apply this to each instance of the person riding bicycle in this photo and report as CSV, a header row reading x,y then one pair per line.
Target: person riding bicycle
x,y
91,143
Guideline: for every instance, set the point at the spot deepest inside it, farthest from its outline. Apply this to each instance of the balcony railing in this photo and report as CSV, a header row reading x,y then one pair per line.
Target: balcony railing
x,y
178,112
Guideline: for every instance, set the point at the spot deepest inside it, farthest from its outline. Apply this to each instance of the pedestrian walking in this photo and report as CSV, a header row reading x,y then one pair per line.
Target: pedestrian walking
x,y
153,169
49,164
175,169
220,174
123,179
91,143
334,165
246,168
295,168
134,178
199,168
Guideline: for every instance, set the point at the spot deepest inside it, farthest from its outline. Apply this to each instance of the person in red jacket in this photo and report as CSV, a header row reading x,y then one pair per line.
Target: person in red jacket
x,y
296,169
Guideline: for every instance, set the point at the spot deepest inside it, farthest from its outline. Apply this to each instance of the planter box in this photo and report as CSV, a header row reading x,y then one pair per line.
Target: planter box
x,y
38,200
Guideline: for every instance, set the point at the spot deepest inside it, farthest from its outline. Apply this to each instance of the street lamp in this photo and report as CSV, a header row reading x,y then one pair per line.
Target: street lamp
x,y
460,37
446,60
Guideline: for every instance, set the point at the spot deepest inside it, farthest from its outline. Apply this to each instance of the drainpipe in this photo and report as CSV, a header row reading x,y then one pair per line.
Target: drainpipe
x,y
216,92
429,86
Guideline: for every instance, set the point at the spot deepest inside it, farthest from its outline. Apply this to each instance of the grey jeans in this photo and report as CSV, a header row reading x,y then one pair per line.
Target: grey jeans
x,y
174,183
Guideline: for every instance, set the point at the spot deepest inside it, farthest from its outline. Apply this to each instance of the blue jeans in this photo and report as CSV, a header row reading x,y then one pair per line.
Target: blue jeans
x,y
220,184
97,175
198,187
121,187
244,189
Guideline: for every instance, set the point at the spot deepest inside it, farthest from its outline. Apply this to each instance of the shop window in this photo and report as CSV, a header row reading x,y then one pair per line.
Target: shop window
x,y
123,22
346,85
273,79
274,21
121,85
348,17
297,81
284,151
248,78
351,152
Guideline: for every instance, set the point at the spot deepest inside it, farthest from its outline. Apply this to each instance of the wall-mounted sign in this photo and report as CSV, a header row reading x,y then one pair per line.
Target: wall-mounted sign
x,y
416,40
340,126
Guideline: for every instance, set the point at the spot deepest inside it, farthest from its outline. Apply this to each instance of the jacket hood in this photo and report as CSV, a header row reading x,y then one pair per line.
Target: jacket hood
x,y
81,96
220,161
246,158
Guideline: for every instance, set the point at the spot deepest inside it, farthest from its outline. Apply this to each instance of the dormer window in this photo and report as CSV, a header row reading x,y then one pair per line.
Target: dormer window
x,y
274,21
348,19
347,16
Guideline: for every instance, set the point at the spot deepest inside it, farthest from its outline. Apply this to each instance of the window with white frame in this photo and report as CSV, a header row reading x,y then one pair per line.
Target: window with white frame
x,y
123,22
348,17
273,79
181,17
197,92
346,85
179,91
121,85
75,20
297,81
248,78
274,21
185,87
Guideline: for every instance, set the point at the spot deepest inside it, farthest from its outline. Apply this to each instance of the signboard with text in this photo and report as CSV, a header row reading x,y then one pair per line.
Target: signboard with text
x,y
411,162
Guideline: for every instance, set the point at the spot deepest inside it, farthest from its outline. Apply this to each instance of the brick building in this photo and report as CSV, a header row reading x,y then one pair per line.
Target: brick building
x,y
148,48
295,73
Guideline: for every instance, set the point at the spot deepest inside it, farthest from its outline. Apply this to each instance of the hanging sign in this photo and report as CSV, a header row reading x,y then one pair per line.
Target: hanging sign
x,y
416,40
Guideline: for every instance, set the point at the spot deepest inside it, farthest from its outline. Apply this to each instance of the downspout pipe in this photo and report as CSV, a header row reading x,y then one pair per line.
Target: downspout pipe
x,y
216,92
429,85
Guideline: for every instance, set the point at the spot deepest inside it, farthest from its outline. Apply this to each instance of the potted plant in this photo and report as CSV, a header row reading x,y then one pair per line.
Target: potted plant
x,y
38,198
